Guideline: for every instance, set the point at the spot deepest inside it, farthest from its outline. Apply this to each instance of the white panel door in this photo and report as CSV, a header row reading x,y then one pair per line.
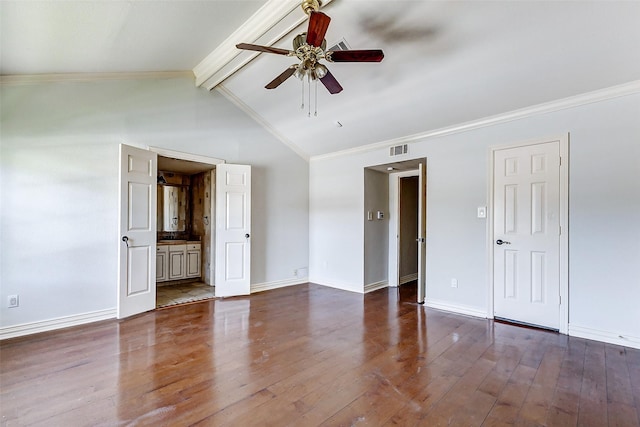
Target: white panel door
x,y
526,241
233,230
422,232
137,246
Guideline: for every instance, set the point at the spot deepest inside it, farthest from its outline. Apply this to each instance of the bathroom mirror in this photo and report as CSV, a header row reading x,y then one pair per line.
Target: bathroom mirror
x,y
172,207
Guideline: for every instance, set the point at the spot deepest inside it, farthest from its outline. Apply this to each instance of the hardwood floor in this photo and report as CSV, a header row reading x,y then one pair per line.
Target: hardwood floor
x,y
309,355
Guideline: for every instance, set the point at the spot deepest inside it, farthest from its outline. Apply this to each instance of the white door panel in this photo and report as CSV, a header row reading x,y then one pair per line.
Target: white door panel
x,y
527,234
233,230
137,245
422,232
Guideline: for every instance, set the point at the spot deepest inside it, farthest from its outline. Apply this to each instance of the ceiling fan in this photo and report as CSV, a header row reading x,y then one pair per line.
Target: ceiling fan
x,y
310,49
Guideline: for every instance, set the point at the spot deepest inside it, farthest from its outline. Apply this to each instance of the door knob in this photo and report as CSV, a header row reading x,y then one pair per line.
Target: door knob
x,y
502,242
247,236
126,240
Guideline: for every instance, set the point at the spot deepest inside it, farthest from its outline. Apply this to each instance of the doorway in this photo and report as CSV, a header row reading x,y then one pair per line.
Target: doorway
x,y
230,237
529,233
184,231
408,229
410,169
382,208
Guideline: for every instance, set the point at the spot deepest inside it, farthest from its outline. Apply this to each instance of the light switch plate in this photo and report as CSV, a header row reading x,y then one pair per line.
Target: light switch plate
x,y
482,212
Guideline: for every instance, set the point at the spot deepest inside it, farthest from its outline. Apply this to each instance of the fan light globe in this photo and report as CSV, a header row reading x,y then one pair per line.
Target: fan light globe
x,y
320,71
300,72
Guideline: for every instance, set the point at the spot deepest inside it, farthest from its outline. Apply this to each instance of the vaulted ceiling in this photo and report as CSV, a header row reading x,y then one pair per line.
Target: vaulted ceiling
x,y
446,62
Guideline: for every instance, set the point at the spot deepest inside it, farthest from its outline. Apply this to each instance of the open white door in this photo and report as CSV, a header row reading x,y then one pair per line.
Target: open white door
x,y
233,230
422,231
137,239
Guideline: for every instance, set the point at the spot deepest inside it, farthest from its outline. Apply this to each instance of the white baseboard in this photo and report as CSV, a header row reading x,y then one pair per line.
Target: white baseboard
x,y
604,336
259,287
455,308
57,323
375,286
408,278
349,287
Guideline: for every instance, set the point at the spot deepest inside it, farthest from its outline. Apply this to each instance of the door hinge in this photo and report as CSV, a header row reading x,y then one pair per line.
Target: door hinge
x,y
560,161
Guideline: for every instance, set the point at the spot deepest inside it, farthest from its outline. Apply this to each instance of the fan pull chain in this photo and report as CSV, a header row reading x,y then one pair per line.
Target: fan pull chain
x,y
316,100
309,112
302,103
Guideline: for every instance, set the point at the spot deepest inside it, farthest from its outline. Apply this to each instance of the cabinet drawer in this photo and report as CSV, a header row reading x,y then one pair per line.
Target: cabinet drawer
x,y
193,247
177,248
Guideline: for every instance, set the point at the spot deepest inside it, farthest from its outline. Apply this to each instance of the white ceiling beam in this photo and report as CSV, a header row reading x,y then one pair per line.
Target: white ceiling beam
x,y
270,23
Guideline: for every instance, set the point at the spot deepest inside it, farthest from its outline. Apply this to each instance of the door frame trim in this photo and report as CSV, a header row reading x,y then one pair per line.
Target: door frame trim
x,y
563,253
180,155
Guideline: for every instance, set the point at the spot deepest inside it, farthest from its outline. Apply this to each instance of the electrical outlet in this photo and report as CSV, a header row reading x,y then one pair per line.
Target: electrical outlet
x,y
454,283
295,272
13,301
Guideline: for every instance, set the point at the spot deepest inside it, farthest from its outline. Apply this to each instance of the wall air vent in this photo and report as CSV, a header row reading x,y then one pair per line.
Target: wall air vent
x,y
397,150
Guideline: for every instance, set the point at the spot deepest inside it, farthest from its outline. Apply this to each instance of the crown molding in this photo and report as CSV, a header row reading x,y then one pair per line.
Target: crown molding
x,y
28,79
544,108
261,121
269,24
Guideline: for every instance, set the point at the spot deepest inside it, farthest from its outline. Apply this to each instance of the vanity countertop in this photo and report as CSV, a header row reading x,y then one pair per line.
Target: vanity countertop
x,y
178,242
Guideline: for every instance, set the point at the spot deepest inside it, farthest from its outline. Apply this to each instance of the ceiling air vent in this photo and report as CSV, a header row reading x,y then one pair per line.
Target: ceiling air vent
x,y
397,150
341,45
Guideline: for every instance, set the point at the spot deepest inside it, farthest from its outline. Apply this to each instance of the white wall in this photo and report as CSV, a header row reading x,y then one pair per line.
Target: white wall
x,y
336,229
59,184
376,231
604,205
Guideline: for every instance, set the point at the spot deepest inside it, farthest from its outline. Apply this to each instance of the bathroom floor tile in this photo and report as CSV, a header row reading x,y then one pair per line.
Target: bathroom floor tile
x,y
180,294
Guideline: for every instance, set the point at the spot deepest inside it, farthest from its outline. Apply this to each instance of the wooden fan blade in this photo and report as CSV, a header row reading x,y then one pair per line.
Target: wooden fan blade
x,y
281,78
258,48
331,83
373,55
318,24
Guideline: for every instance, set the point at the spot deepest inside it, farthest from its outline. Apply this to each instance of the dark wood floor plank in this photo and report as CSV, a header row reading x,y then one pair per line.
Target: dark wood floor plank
x,y
454,402
618,383
633,365
510,400
307,356
621,408
593,392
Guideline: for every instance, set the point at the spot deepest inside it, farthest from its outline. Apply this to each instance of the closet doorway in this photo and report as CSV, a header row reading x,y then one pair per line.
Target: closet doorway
x,y
407,225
